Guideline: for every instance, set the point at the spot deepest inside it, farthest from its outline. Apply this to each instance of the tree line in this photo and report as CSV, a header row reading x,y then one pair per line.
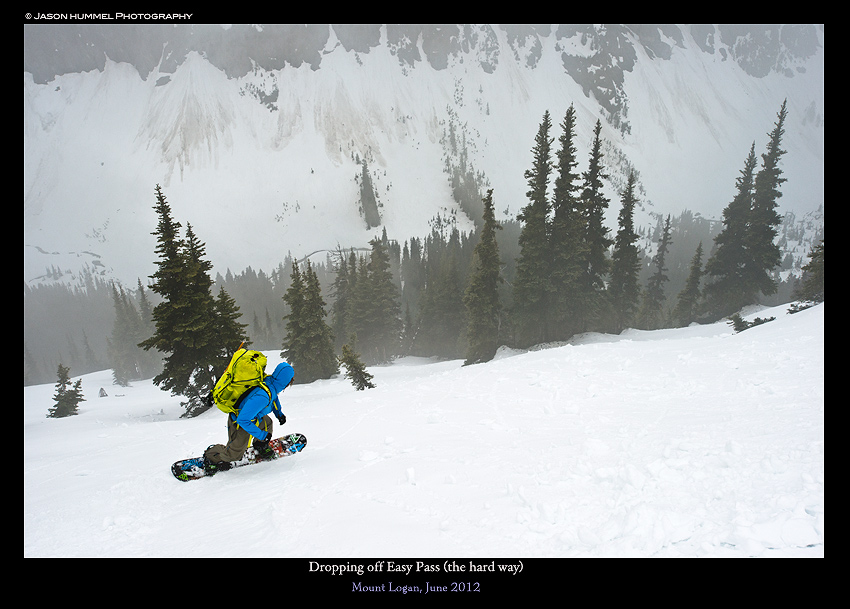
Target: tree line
x,y
554,272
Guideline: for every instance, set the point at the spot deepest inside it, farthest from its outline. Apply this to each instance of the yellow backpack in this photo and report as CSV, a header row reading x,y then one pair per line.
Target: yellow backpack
x,y
246,370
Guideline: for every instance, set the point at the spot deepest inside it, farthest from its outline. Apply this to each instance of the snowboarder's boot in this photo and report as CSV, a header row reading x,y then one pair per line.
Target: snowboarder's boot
x,y
212,467
262,450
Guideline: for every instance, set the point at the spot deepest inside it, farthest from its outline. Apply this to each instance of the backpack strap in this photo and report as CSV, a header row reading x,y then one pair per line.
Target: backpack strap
x,y
237,405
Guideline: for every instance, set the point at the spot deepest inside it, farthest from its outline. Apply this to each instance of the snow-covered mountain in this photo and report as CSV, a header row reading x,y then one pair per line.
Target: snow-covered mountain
x,y
256,133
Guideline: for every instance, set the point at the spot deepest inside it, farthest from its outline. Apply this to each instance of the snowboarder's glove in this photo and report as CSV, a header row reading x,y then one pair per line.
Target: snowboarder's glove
x,y
208,400
281,419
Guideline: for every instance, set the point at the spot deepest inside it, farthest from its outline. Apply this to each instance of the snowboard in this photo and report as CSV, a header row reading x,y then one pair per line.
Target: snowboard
x,y
193,469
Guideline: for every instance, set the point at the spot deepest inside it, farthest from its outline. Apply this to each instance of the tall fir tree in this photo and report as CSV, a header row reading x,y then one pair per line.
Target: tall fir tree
x,y
341,293
368,201
230,330
568,249
531,285
652,315
387,329
122,344
624,288
187,325
67,397
481,298
375,315
149,361
206,340
596,239
442,320
168,283
296,333
688,301
764,254
728,287
413,274
311,350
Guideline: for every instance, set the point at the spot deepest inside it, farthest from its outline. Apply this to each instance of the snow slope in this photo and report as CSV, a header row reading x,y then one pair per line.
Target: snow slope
x,y
692,442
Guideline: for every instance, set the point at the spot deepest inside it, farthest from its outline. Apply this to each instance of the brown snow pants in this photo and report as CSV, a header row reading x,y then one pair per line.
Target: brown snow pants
x,y
237,441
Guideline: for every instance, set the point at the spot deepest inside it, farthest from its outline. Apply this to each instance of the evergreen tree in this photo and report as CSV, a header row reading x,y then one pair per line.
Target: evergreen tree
x,y
187,322
595,238
231,331
32,371
122,345
204,336
687,306
149,362
92,362
764,253
341,291
375,313
441,325
812,284
728,288
386,303
360,313
482,294
310,351
623,290
368,202
532,285
568,249
408,332
595,203
413,273
355,370
67,397
168,283
652,312
296,333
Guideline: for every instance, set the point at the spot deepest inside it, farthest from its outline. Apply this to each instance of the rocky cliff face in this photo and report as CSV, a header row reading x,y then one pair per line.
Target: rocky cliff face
x,y
278,121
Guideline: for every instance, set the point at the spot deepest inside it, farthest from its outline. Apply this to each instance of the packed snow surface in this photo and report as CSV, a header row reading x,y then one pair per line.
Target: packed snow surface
x,y
687,442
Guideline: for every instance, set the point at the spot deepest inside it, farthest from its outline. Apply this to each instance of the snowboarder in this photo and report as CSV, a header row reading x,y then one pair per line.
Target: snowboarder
x,y
251,420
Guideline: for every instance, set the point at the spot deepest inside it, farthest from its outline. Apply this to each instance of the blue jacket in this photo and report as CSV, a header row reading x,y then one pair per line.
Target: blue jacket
x,y
257,402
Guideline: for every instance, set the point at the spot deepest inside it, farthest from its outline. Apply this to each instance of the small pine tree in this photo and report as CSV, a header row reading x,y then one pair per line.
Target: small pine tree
x,y
812,288
739,324
355,370
67,397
